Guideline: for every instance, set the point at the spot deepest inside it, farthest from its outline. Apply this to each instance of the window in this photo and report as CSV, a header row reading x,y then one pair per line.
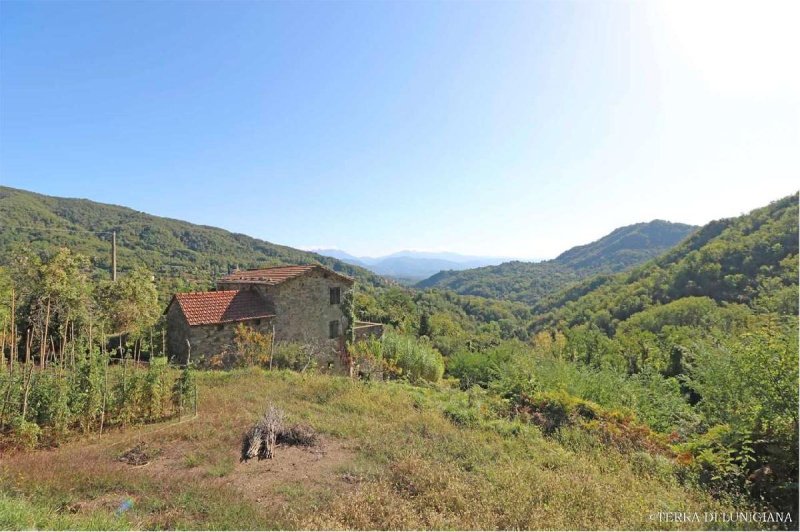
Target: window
x,y
257,322
220,326
333,329
336,295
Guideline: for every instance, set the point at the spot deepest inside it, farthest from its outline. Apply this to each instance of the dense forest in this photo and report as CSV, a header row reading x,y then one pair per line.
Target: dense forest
x,y
181,255
529,282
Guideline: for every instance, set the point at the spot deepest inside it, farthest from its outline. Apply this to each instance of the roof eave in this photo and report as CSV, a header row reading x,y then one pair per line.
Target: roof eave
x,y
248,318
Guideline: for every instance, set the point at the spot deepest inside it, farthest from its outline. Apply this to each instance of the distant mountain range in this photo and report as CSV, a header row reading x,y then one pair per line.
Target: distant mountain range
x,y
529,282
188,256
413,265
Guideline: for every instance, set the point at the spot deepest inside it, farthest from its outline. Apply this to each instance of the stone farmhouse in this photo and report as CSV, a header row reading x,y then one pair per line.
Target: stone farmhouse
x,y
297,303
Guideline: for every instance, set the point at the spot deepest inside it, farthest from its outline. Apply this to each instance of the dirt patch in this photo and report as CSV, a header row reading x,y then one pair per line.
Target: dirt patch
x,y
307,467
139,455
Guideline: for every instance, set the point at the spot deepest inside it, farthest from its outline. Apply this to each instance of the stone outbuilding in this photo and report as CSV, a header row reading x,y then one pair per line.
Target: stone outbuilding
x,y
296,303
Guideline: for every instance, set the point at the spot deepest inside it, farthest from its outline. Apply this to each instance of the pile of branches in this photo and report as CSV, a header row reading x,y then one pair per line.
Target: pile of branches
x,y
300,434
260,441
138,456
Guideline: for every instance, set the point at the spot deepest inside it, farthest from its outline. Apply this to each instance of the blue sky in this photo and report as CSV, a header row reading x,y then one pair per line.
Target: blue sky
x,y
494,128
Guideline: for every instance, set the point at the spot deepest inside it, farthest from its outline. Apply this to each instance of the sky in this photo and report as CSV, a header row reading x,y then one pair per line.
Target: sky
x,y
514,129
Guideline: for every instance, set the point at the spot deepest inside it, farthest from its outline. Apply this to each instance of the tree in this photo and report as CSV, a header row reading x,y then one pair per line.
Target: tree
x,y
130,305
51,298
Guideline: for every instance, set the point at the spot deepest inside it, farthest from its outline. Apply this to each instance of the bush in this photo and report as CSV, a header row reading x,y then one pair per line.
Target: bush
x,y
415,359
461,415
516,370
554,411
481,368
252,347
396,356
294,356
25,435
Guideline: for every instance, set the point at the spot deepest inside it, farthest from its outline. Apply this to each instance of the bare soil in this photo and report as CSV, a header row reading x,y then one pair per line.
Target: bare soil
x,y
309,468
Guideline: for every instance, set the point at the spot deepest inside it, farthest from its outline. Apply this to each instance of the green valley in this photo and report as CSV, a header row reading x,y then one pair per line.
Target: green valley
x,y
529,282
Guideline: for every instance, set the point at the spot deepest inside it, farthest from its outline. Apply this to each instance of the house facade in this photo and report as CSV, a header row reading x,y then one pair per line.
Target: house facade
x,y
298,303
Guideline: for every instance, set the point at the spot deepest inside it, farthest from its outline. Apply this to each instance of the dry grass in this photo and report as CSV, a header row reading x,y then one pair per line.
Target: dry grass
x,y
390,459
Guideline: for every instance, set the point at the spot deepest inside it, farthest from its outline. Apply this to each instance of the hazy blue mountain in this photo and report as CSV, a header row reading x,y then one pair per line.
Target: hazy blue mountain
x,y
340,255
413,265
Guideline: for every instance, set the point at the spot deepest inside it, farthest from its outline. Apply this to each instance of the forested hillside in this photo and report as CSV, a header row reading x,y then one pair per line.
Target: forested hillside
x,y
698,346
751,259
172,249
529,282
713,323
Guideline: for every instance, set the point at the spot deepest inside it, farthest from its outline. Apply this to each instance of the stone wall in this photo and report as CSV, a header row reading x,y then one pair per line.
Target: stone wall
x,y
177,333
210,340
302,305
206,340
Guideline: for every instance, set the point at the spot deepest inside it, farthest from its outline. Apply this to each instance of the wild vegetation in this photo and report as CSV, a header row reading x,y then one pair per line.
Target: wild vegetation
x,y
397,456
398,356
71,351
696,349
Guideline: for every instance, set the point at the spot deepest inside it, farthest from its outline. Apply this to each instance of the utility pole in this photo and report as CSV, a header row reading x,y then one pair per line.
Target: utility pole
x,y
113,255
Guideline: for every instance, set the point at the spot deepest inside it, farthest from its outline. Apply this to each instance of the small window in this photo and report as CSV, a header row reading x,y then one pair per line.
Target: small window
x,y
220,326
336,295
257,322
333,329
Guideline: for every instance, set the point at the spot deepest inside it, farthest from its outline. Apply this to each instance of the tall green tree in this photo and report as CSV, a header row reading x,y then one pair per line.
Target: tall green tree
x,y
130,304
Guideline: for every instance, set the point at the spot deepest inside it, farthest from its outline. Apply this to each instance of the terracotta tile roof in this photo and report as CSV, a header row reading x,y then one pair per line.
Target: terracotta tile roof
x,y
205,308
272,276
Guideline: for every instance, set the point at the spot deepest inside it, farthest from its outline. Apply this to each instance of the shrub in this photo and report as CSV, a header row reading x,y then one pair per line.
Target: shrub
x,y
295,356
472,368
415,359
25,435
252,347
552,411
396,355
368,356
461,415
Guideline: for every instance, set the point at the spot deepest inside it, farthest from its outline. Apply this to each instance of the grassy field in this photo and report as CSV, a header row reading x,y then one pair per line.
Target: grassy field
x,y
393,456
